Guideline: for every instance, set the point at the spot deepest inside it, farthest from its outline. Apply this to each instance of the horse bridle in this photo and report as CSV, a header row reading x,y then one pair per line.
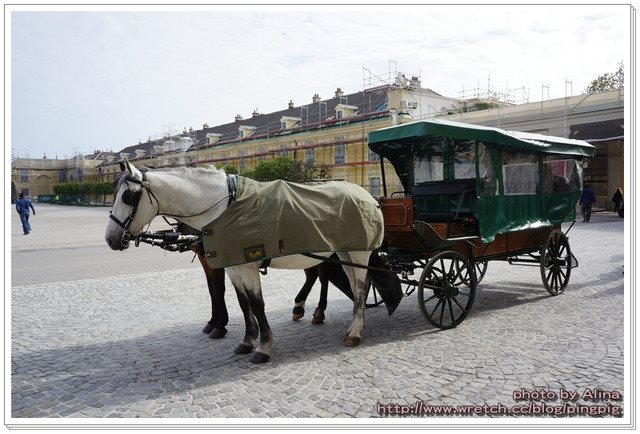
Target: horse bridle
x,y
132,198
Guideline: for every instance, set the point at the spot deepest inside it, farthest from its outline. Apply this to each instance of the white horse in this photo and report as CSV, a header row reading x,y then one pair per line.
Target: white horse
x,y
196,197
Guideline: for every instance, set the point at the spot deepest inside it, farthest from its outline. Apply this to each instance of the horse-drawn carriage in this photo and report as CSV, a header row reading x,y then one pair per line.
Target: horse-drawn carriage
x,y
469,195
472,194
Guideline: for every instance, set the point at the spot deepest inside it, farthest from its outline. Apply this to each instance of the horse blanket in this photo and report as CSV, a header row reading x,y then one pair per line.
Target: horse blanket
x,y
279,218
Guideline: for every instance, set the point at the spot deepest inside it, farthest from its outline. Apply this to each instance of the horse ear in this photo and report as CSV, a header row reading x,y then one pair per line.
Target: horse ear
x,y
122,167
135,173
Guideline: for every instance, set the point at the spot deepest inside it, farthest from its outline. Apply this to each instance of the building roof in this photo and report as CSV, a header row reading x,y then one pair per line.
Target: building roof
x,y
311,115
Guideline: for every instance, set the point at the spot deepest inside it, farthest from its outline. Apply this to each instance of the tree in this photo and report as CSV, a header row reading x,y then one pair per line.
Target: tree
x,y
103,188
607,81
287,169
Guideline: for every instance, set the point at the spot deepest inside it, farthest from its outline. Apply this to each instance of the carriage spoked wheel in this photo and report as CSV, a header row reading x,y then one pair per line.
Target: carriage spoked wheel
x,y
480,269
446,290
555,263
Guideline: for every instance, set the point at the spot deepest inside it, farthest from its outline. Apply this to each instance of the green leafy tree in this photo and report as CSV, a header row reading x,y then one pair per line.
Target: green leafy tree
x,y
608,81
287,169
103,189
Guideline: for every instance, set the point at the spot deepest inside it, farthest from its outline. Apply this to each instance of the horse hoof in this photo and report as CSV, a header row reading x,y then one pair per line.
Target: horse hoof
x,y
259,358
243,349
217,333
318,316
298,312
207,329
352,341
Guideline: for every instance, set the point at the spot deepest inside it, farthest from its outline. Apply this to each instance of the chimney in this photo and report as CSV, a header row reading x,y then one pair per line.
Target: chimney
x,y
190,129
339,93
290,104
205,126
238,118
255,113
316,98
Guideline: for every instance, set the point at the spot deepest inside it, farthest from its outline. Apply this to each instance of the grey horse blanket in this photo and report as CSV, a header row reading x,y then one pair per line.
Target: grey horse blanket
x,y
273,219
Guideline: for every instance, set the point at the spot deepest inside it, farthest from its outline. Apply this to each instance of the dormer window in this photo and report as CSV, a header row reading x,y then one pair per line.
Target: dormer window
x,y
246,131
344,110
213,138
287,122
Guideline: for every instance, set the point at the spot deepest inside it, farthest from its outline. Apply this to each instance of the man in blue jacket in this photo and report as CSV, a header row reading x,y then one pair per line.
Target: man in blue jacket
x,y
22,206
587,199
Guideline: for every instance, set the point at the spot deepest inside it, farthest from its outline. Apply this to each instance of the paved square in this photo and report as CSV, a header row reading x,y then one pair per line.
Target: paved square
x,y
107,334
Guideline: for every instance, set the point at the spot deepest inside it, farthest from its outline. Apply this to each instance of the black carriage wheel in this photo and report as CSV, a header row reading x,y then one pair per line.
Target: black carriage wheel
x,y
555,263
446,290
372,298
481,270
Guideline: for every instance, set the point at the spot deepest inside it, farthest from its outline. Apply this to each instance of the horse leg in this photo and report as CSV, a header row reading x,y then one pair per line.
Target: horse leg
x,y
248,277
216,291
311,275
251,326
208,328
323,273
357,277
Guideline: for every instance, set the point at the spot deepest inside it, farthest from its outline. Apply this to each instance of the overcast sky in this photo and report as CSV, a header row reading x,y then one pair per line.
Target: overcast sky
x,y
90,80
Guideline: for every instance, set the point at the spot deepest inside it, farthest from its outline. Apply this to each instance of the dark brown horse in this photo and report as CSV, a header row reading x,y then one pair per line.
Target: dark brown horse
x,y
326,272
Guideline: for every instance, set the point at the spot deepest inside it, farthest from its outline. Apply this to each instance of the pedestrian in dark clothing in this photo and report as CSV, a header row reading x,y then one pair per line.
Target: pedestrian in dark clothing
x,y
22,207
617,199
587,199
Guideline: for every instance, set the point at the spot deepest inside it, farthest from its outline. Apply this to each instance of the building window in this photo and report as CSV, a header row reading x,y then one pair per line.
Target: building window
x,y
62,175
309,155
24,175
79,175
339,154
373,156
283,151
261,153
339,114
374,186
283,125
243,162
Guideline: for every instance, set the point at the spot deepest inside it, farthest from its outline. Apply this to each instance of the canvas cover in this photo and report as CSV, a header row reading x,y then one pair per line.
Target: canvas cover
x,y
498,209
278,218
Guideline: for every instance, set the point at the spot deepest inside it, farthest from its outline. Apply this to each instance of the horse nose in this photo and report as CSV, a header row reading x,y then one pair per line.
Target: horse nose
x,y
108,241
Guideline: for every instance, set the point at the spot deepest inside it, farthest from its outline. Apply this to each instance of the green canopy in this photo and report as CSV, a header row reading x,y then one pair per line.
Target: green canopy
x,y
388,140
520,180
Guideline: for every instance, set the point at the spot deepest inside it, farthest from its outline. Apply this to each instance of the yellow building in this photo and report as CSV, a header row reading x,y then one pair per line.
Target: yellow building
x,y
37,176
330,132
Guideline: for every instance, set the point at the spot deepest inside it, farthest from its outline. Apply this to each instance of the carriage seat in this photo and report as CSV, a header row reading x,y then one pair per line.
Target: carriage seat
x,y
443,201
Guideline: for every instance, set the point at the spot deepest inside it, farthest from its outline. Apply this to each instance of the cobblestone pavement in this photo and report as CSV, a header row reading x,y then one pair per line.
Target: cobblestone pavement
x,y
129,346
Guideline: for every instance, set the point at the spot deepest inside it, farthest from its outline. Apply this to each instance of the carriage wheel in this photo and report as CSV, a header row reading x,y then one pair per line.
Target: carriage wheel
x,y
372,298
481,270
555,263
447,289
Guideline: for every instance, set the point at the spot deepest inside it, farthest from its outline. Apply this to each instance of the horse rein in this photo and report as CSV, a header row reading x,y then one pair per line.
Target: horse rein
x,y
131,198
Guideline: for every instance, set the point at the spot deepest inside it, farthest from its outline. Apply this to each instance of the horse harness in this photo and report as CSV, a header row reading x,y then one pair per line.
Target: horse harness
x,y
132,199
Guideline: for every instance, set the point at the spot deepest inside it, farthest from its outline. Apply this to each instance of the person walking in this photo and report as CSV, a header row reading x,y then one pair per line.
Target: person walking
x,y
587,199
617,200
22,207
